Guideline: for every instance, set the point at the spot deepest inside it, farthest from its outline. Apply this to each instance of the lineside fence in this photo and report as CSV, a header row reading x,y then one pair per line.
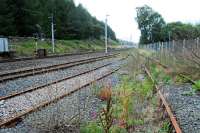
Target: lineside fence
x,y
177,54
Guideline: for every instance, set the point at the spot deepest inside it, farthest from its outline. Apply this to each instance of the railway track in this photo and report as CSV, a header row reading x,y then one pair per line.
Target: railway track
x,y
161,97
167,107
62,93
59,55
33,71
179,98
51,56
30,89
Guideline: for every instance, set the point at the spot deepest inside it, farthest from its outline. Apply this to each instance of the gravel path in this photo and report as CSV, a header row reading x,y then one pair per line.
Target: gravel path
x,y
186,106
20,104
26,83
44,62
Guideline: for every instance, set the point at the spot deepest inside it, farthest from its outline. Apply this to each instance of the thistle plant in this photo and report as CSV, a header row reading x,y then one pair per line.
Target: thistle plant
x,y
105,116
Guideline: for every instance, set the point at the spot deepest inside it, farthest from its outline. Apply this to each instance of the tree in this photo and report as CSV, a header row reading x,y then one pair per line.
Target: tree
x,y
180,31
154,29
28,17
6,18
150,24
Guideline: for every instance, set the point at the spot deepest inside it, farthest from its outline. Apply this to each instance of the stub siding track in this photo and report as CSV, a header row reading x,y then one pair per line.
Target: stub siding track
x,y
165,103
61,84
167,107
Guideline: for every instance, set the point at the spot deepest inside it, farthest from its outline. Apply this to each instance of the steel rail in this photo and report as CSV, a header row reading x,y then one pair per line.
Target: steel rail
x,y
50,56
35,108
33,71
58,55
48,84
30,89
167,107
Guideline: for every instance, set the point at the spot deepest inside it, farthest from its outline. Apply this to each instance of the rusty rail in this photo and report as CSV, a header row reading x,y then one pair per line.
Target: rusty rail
x,y
167,107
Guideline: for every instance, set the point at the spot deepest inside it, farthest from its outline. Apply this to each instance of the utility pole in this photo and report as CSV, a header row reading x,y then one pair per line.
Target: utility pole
x,y
52,33
106,34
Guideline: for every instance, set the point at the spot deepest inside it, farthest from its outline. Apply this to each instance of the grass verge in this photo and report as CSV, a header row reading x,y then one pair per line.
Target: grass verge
x,y
28,47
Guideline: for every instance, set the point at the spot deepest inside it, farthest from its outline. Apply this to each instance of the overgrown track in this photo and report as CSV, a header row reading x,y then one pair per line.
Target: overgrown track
x,y
33,71
18,116
167,107
162,99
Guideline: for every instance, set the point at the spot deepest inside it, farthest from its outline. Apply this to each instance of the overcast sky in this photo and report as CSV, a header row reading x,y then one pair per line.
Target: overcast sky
x,y
122,13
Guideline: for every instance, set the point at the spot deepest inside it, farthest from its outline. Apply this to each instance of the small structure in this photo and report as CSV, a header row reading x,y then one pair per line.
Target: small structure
x,y
41,53
4,45
4,49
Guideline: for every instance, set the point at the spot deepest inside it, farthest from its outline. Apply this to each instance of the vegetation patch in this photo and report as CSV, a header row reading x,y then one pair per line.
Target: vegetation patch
x,y
28,47
131,106
196,86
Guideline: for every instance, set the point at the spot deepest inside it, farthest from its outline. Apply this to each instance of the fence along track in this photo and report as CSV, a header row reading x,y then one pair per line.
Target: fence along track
x,y
33,71
185,51
35,108
167,67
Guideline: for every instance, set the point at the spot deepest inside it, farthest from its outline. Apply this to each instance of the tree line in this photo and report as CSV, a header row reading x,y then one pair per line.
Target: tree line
x,y
33,17
154,28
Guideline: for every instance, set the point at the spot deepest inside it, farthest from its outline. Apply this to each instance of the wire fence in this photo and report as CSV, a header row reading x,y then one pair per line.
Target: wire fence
x,y
182,55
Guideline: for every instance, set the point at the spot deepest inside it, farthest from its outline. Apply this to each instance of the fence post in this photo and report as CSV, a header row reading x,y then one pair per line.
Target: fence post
x,y
184,47
183,50
161,52
173,52
164,52
197,47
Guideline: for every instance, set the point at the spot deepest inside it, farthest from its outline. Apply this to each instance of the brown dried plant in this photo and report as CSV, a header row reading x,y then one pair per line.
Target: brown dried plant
x,y
105,116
